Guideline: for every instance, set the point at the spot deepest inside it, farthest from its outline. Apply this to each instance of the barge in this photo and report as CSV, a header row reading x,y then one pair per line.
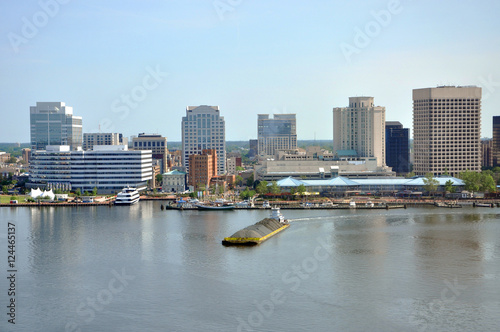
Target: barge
x,y
259,232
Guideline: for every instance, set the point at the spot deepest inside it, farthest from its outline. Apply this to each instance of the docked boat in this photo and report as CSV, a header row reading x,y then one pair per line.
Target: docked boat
x,y
259,232
214,206
352,204
266,205
369,204
127,196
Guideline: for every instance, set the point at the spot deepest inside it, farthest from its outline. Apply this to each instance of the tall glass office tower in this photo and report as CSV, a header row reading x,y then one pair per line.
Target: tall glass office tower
x,y
203,128
53,123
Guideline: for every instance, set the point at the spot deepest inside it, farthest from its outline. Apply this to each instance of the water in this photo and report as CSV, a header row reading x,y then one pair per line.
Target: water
x,y
142,269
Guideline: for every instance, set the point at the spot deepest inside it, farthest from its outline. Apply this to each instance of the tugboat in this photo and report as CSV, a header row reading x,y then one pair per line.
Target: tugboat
x,y
261,231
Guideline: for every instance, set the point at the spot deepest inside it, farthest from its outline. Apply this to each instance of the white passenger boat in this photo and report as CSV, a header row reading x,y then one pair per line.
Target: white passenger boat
x,y
127,196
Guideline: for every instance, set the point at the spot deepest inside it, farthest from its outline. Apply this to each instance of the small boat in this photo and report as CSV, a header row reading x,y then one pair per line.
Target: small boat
x,y
214,206
127,196
352,204
483,205
369,204
266,205
243,204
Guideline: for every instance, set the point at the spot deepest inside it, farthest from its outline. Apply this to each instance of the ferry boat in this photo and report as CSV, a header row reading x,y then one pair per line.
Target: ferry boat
x,y
127,196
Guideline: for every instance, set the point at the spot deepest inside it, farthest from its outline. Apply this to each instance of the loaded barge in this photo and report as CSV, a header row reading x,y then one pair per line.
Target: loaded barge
x,y
261,231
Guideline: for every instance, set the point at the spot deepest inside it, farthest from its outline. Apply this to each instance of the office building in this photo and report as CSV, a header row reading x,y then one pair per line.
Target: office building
x,y
174,181
278,133
158,146
496,141
202,167
447,130
360,127
487,153
254,148
203,128
26,154
91,139
232,163
109,168
397,147
53,123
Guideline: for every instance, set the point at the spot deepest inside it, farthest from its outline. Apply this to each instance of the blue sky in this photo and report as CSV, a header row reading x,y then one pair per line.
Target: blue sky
x,y
246,56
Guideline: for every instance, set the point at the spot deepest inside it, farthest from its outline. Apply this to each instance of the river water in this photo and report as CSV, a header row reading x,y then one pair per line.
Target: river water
x,y
142,269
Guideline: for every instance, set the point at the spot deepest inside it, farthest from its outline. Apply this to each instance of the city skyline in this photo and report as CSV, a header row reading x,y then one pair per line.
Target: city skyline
x,y
139,63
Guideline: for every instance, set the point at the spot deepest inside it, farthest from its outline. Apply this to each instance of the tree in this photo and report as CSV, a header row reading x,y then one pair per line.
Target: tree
x,y
446,172
86,193
12,160
5,190
301,189
239,168
274,188
487,183
245,194
250,181
262,188
471,179
448,186
159,179
94,191
430,183
410,175
238,180
78,192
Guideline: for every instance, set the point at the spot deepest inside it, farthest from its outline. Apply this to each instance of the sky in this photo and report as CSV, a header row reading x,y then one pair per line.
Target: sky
x,y
134,66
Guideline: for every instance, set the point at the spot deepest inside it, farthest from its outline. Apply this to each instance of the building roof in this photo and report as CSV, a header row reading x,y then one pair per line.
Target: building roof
x,y
341,181
174,172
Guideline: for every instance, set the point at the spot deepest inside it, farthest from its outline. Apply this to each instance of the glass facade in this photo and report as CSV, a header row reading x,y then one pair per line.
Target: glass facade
x,y
397,147
54,124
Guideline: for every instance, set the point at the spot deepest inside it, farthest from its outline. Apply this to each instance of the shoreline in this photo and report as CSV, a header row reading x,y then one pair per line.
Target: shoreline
x,y
288,205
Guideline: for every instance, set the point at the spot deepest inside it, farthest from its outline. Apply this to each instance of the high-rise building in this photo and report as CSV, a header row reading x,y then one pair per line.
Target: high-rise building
x,y
157,144
202,168
278,133
496,141
53,123
107,168
254,148
91,139
203,128
26,154
360,127
487,153
447,130
397,147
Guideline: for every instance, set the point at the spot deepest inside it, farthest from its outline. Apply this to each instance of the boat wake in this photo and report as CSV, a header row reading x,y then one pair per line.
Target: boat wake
x,y
310,218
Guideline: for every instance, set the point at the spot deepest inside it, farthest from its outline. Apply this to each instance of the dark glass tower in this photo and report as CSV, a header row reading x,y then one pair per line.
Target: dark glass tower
x,y
397,147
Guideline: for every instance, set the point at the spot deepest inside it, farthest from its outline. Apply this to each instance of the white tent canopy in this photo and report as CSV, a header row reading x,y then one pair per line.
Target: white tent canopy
x,y
37,193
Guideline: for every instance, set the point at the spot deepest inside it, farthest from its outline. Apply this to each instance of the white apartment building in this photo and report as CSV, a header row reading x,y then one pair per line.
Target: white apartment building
x,y
109,168
53,123
360,127
204,128
447,129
